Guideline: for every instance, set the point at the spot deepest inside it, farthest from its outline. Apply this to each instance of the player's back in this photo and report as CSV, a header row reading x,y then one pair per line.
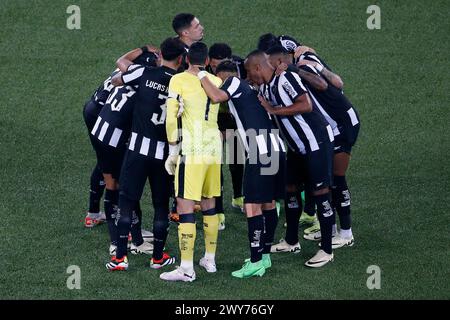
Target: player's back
x,y
200,132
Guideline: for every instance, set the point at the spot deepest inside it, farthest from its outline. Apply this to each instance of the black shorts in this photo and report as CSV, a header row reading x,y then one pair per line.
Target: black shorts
x,y
345,141
296,170
91,111
136,169
109,159
264,183
226,121
314,169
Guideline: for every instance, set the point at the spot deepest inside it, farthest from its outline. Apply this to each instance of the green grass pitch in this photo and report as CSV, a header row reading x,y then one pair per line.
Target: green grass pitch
x,y
397,78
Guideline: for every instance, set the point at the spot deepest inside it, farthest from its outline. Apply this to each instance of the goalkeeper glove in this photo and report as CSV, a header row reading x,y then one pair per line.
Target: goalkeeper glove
x,y
171,161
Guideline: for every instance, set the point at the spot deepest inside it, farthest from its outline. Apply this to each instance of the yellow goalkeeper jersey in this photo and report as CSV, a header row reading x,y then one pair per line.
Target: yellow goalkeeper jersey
x,y
200,134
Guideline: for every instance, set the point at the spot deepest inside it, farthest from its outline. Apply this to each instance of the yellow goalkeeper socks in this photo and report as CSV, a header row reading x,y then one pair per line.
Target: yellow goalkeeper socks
x,y
211,231
186,241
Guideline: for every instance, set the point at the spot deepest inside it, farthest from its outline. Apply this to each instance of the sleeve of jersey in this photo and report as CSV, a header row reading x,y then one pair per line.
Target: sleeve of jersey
x,y
292,85
172,110
133,74
230,86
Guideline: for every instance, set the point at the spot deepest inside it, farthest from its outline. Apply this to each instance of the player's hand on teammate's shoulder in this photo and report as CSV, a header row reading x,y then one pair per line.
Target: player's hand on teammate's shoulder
x,y
304,62
301,50
152,49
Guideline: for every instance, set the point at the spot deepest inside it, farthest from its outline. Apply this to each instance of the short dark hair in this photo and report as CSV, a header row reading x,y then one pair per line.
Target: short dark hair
x,y
254,53
219,51
198,52
182,21
171,49
277,49
266,41
226,66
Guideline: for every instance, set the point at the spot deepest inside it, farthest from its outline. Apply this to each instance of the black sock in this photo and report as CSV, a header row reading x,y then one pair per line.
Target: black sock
x,y
96,191
255,230
270,225
310,204
110,204
341,201
136,225
160,229
123,223
237,173
174,205
326,219
219,204
293,208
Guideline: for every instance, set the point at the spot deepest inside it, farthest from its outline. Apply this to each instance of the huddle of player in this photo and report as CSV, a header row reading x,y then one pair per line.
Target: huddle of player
x,y
164,118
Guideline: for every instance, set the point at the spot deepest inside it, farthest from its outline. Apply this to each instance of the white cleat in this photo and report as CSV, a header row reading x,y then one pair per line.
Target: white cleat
x,y
144,248
283,246
316,236
177,275
112,250
320,259
210,266
338,242
221,225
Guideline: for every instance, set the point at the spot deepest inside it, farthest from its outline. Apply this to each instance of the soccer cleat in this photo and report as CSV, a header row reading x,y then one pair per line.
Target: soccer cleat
x,y
320,259
112,249
94,219
221,221
147,235
144,248
306,219
316,236
250,269
283,246
238,203
117,264
177,275
314,228
164,261
210,266
266,261
338,242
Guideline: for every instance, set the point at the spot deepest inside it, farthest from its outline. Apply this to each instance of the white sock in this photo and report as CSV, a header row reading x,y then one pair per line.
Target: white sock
x,y
187,266
210,256
334,229
346,233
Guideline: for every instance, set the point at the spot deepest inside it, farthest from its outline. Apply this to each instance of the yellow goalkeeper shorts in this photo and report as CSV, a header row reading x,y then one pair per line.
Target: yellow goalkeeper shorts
x,y
197,177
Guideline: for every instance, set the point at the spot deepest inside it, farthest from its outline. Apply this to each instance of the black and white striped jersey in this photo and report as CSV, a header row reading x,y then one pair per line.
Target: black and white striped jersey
x,y
254,125
104,90
305,132
312,57
148,131
335,105
113,124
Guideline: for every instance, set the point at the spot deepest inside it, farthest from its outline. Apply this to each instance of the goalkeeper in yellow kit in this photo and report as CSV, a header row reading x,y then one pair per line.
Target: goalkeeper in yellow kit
x,y
194,157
